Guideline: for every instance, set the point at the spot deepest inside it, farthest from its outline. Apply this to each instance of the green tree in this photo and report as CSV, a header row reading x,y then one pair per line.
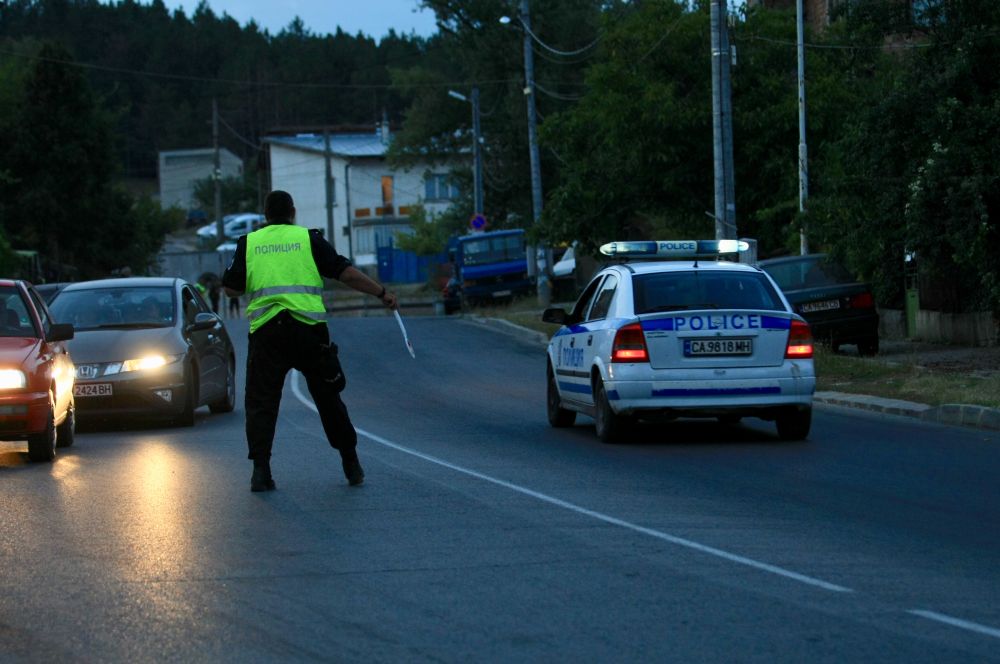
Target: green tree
x,y
62,201
918,168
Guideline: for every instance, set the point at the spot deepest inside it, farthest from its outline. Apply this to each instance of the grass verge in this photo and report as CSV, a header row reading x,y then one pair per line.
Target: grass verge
x,y
903,380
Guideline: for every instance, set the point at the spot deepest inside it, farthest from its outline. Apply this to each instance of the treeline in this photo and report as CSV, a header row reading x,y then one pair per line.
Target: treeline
x,y
90,92
903,121
903,130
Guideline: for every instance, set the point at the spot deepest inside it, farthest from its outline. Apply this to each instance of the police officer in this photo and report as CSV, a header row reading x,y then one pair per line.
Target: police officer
x,y
280,266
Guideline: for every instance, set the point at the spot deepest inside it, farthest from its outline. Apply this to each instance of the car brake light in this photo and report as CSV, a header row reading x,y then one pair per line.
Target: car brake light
x,y
630,345
863,301
800,341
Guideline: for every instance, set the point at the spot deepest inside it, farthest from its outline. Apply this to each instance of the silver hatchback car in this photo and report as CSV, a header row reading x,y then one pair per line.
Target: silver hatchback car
x,y
146,347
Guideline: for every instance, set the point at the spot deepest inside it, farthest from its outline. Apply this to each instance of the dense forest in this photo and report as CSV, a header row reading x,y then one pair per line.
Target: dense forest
x,y
903,122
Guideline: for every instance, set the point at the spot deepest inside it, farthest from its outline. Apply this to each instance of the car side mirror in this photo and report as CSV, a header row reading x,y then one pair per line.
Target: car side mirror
x,y
202,321
555,316
60,332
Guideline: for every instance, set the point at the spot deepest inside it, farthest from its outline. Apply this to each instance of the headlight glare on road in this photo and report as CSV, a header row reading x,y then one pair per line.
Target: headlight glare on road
x,y
12,379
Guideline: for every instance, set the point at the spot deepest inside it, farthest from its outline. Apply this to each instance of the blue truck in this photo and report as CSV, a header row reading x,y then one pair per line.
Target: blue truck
x,y
487,267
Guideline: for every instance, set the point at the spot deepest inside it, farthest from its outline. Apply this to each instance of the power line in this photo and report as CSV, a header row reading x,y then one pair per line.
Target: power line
x,y
251,84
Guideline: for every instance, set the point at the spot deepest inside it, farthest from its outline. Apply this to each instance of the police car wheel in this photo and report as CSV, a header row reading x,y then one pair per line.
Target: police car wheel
x,y
559,417
794,424
609,425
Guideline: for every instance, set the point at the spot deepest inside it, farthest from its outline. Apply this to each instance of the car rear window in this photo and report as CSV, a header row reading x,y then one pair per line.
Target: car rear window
x,y
808,273
703,289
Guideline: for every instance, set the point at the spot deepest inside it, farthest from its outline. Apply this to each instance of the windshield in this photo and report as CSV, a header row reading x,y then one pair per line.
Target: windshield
x,y
96,308
14,318
493,249
673,291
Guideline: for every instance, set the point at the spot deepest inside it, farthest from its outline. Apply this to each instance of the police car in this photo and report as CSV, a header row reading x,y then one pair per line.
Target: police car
x,y
695,336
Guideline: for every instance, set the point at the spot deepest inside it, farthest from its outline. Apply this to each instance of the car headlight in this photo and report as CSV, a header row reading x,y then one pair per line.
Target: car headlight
x,y
148,362
12,379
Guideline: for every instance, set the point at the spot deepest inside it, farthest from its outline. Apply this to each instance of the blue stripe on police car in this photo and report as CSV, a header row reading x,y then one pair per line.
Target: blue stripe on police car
x,y
717,322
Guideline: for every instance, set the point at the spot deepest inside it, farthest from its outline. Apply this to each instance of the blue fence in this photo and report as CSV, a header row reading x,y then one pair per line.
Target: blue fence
x,y
405,267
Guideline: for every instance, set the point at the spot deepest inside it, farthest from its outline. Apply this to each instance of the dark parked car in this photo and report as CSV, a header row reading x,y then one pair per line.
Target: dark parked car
x,y
147,346
840,309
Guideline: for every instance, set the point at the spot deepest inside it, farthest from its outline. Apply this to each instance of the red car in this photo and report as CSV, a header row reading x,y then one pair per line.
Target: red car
x,y
36,373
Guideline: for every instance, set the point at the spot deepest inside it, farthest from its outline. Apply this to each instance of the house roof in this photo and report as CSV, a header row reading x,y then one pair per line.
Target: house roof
x,y
344,145
197,152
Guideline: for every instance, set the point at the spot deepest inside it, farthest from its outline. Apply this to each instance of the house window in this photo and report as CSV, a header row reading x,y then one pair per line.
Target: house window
x,y
440,187
386,191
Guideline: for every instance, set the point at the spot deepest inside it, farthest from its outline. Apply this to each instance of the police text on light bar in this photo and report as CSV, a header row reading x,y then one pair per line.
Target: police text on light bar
x,y
674,248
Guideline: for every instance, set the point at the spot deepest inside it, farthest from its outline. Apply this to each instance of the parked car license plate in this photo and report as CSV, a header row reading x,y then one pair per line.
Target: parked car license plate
x,y
703,347
825,305
92,390
501,293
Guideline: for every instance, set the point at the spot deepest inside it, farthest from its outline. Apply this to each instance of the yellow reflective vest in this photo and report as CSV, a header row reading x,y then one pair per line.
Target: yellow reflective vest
x,y
282,275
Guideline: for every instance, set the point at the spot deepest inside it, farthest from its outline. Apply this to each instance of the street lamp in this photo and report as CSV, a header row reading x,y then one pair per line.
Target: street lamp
x,y
477,149
541,270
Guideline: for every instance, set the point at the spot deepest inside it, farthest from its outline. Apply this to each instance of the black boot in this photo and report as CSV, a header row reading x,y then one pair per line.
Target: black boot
x,y
353,471
261,479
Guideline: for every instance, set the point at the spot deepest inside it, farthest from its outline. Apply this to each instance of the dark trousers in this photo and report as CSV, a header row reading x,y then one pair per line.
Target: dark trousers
x,y
281,344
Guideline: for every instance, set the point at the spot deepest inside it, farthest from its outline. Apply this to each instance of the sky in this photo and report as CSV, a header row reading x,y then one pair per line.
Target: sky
x,y
372,17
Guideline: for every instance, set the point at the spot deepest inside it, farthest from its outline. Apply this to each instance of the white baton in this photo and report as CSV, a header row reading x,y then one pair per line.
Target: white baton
x,y
406,338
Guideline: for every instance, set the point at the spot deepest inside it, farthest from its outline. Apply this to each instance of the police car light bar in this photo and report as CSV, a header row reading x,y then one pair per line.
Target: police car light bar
x,y
674,248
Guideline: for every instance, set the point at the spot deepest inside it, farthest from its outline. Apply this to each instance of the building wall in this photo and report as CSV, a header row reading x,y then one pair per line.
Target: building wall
x,y
302,173
179,170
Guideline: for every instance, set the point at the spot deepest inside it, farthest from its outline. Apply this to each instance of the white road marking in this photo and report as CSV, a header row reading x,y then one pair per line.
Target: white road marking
x,y
666,537
957,622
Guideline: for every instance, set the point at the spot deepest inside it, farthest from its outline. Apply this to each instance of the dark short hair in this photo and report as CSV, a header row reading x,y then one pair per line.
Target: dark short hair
x,y
278,205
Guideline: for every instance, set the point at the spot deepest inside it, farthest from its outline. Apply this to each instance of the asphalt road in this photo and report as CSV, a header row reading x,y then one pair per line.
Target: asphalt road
x,y
483,535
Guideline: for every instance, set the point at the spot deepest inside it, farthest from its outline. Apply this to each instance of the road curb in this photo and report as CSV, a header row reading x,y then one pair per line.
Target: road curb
x,y
957,414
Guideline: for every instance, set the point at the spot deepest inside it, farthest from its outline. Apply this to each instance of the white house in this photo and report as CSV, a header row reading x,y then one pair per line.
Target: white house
x,y
180,169
371,201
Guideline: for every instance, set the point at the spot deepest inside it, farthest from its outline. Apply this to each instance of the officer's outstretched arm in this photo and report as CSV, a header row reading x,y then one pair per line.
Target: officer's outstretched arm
x,y
361,282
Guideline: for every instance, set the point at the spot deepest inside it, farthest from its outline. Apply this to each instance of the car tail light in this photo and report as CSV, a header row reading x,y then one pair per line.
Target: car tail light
x,y
630,345
863,301
800,341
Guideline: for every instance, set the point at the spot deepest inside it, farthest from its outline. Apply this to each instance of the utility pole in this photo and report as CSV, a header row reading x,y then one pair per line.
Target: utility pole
x,y
477,154
477,148
542,271
327,154
220,229
803,151
722,125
